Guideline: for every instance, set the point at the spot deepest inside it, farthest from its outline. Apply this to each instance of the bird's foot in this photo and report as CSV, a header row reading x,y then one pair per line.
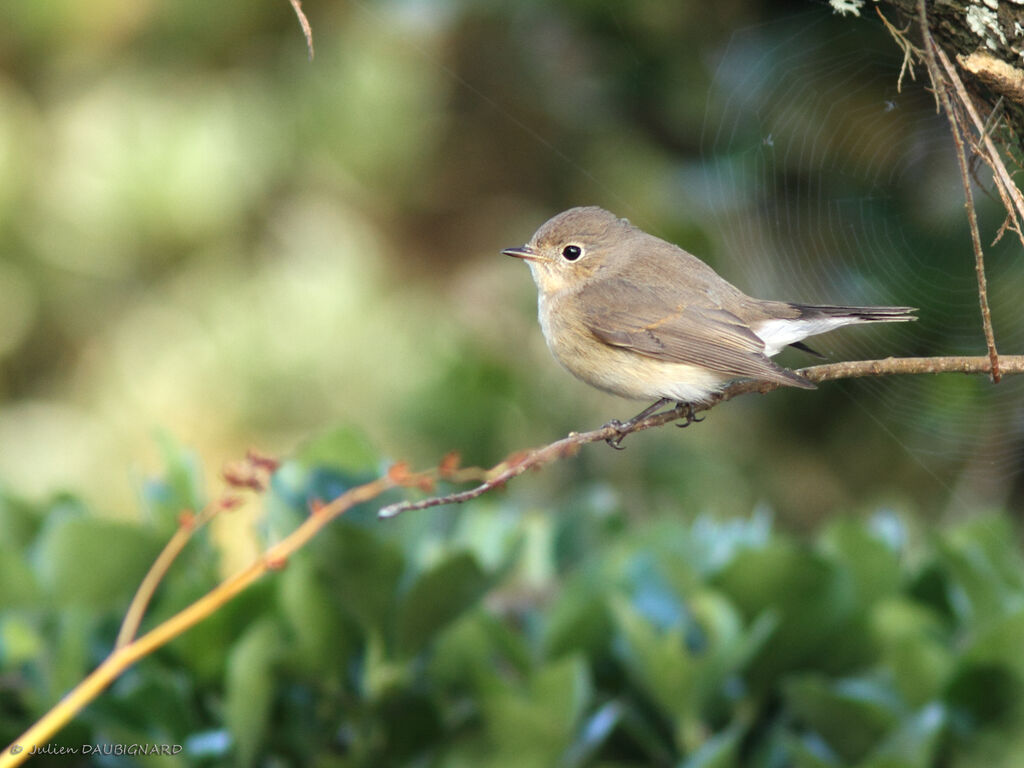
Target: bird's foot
x,y
624,428
683,411
686,412
621,430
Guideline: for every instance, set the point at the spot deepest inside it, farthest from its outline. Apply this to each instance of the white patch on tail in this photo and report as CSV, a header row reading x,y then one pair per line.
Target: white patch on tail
x,y
778,334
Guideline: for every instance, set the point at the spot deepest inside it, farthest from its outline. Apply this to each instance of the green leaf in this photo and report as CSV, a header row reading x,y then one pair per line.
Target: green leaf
x,y
593,734
382,674
984,694
490,532
809,751
536,726
576,624
345,448
180,487
720,751
146,695
478,652
873,563
1000,643
987,571
727,645
92,562
20,640
851,715
563,689
19,521
410,722
995,538
914,743
579,619
714,543
249,688
914,647
812,599
989,677
364,571
436,598
221,630
71,652
18,586
321,639
658,661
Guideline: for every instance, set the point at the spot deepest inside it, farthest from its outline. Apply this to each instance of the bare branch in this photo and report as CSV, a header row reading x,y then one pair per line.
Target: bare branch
x,y
939,83
517,464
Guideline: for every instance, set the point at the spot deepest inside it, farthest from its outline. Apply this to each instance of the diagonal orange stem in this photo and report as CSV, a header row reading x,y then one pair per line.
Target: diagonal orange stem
x,y
118,661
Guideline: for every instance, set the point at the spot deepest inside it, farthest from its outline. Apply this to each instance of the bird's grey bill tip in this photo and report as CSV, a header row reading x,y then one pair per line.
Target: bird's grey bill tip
x,y
520,252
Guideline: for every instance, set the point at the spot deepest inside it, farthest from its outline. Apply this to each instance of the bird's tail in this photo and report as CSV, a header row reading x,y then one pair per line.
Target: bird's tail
x,y
855,314
801,321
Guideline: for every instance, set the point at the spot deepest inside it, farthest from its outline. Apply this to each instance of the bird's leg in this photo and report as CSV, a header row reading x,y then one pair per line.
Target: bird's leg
x,y
623,427
685,411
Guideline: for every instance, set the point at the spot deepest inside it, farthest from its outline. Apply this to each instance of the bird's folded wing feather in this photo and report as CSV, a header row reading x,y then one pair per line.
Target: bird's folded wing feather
x,y
647,322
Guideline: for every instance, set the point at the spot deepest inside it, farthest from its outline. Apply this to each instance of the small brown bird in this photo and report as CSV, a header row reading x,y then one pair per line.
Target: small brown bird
x,y
636,316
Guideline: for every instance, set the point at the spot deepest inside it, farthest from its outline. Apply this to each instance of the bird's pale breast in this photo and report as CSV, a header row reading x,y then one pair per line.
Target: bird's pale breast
x,y
613,369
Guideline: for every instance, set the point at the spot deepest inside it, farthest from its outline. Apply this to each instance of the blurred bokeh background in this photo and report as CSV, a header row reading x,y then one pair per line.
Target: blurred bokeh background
x,y
207,234
210,241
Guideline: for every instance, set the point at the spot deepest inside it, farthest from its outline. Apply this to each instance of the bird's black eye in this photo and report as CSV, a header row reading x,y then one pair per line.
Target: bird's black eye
x,y
571,252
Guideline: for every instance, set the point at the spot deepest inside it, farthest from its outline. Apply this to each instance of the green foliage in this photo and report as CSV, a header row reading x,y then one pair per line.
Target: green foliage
x,y
483,636
249,687
435,598
85,561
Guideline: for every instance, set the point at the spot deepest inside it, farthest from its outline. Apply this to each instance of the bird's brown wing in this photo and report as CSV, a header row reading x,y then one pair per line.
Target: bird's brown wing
x,y
651,322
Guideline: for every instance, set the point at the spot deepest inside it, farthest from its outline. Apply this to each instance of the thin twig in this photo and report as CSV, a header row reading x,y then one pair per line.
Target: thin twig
x,y
989,128
1012,197
118,661
908,48
307,30
188,525
939,83
155,574
252,474
567,446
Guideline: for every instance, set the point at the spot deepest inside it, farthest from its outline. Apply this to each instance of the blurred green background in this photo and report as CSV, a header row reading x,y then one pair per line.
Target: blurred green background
x,y
209,243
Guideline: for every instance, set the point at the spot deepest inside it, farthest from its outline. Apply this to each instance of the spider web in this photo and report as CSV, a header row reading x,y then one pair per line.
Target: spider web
x,y
825,185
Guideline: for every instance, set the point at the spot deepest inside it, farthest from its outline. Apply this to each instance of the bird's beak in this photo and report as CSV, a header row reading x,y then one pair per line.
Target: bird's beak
x,y
522,252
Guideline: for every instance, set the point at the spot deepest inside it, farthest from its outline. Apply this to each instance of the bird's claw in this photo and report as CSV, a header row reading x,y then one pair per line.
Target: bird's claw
x,y
616,440
686,412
